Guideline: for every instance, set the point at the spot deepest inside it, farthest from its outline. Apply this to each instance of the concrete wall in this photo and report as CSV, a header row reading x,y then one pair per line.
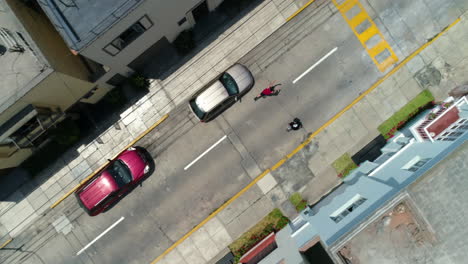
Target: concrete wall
x,y
164,16
56,90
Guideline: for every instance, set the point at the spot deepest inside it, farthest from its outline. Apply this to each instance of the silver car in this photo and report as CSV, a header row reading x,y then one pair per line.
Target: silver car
x,y
222,92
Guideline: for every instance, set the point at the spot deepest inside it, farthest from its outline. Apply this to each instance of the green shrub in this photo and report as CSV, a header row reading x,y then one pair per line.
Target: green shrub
x,y
139,81
298,202
273,222
344,165
402,116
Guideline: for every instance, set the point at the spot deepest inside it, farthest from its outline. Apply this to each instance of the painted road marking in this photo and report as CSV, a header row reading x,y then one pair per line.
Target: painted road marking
x,y
6,243
102,234
302,145
316,64
204,153
300,10
381,53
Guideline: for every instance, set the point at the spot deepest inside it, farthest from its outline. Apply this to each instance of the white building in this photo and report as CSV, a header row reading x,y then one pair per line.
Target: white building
x,y
123,35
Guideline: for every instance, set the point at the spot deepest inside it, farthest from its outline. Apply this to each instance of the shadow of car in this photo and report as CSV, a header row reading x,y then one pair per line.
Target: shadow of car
x,y
115,180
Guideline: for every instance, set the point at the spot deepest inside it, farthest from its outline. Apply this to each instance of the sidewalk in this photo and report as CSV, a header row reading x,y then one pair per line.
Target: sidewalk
x,y
439,67
32,199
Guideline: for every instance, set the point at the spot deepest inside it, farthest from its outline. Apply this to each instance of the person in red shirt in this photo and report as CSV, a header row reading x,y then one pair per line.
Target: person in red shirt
x,y
270,91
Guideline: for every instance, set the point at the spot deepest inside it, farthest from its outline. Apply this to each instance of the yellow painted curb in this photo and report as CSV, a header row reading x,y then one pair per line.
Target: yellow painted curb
x,y
106,163
303,144
299,10
228,202
6,243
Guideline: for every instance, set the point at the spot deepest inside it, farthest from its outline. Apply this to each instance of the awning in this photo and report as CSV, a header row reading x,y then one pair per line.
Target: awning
x,y
17,121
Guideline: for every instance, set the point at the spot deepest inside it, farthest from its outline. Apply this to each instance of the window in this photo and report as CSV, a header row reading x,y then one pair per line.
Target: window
x,y
128,36
415,164
121,173
229,83
456,134
346,209
197,109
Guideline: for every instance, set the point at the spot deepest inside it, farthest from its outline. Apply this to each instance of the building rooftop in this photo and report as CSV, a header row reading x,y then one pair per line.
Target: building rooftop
x,y
22,65
81,21
377,187
439,119
443,123
438,196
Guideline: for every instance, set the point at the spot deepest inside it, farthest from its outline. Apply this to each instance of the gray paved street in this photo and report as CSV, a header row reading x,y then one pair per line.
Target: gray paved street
x,y
173,199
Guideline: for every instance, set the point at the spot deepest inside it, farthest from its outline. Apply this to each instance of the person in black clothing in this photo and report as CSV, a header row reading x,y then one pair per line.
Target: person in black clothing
x,y
296,124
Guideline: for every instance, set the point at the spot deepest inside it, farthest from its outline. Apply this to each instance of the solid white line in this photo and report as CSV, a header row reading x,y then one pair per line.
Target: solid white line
x,y
206,151
103,233
315,65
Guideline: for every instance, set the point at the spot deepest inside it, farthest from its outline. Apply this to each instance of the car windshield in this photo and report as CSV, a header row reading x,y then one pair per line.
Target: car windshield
x,y
120,173
229,83
196,109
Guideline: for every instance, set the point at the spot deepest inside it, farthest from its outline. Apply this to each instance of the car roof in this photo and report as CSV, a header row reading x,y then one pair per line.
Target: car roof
x,y
97,190
217,93
211,97
241,76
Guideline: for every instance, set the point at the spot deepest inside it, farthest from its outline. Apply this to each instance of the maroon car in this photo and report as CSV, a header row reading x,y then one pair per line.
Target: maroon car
x,y
127,170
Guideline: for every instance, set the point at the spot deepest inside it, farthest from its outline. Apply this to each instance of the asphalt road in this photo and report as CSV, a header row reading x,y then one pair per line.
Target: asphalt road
x,y
177,196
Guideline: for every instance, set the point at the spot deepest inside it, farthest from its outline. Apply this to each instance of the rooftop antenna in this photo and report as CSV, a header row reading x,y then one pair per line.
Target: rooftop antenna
x,y
17,48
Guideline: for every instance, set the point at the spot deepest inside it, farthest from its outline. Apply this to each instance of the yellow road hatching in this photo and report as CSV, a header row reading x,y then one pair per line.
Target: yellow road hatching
x,y
367,33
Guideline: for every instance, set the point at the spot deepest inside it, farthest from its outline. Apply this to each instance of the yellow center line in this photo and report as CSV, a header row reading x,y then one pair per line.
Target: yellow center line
x,y
302,145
